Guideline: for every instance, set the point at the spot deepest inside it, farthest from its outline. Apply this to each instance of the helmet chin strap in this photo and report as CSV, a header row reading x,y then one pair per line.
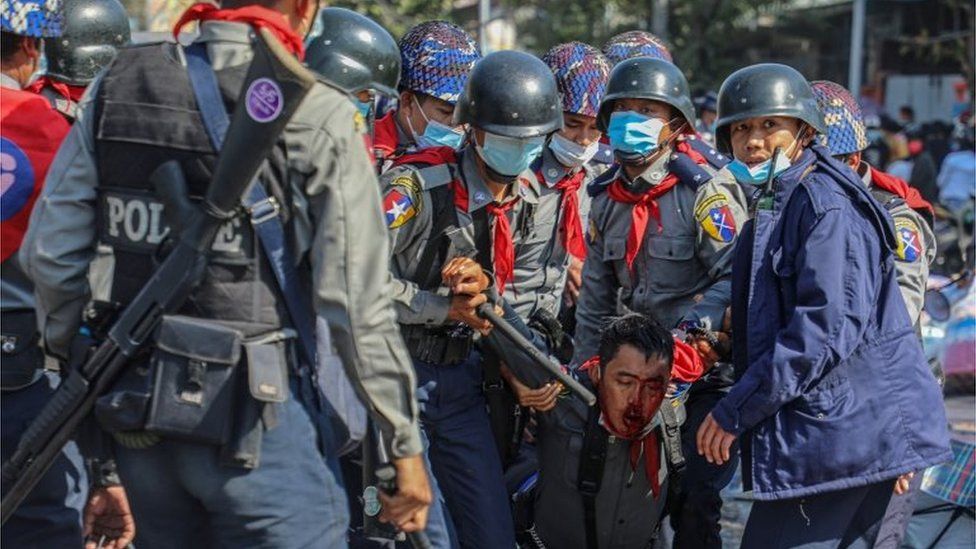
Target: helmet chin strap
x,y
643,159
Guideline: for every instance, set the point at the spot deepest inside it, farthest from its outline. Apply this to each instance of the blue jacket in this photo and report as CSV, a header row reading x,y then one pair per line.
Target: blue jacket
x,y
835,391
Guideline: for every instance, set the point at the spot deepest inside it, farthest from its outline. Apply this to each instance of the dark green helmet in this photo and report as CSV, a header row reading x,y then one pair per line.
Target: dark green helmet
x,y
94,30
354,53
766,89
511,93
647,78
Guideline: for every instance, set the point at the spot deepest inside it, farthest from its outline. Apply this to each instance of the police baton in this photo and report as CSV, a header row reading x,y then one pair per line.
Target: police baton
x,y
487,311
386,480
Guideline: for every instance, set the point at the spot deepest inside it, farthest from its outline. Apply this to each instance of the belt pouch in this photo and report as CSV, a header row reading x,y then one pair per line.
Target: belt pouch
x,y
194,370
265,388
22,356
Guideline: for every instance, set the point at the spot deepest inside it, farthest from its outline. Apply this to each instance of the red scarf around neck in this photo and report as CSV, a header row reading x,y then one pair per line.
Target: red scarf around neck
x,y
67,91
254,15
503,248
572,224
645,205
900,188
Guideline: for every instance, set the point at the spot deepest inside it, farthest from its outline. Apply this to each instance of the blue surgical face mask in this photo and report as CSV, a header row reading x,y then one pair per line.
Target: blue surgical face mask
x,y
364,107
570,153
435,134
509,156
634,134
759,174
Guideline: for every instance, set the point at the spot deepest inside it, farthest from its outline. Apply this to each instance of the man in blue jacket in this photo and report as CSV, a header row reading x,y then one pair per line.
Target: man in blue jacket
x,y
834,399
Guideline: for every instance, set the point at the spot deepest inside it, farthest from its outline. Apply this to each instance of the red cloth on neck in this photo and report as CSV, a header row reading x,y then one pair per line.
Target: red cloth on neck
x,y
572,224
503,248
386,140
67,91
645,204
254,15
899,187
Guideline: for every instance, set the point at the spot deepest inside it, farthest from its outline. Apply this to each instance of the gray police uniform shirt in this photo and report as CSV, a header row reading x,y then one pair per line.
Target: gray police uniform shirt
x,y
541,258
683,267
916,251
410,219
338,223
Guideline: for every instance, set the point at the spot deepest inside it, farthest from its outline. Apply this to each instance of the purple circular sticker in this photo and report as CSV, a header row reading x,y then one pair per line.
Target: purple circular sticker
x,y
263,100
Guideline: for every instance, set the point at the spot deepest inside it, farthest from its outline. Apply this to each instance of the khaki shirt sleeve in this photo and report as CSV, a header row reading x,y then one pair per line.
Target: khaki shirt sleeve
x,y
598,295
351,276
409,233
720,212
912,263
60,241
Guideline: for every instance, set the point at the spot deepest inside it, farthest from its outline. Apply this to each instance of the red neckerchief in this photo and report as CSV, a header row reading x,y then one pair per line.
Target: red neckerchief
x,y
254,15
67,91
646,204
899,187
503,251
386,139
572,225
432,156
687,366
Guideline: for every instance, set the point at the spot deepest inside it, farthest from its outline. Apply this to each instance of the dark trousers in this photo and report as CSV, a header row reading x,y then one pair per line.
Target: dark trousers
x,y
848,518
697,506
897,516
463,454
181,496
51,515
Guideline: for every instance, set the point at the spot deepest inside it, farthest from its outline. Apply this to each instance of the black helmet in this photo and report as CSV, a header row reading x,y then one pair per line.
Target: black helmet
x,y
647,78
511,93
94,30
766,89
354,53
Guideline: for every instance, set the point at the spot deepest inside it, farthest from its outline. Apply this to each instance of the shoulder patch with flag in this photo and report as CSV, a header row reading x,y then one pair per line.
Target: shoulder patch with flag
x,y
401,202
909,242
715,217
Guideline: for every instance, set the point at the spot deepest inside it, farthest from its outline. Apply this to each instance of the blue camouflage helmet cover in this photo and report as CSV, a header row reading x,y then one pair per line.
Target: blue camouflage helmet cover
x,y
437,58
581,75
34,18
635,43
846,132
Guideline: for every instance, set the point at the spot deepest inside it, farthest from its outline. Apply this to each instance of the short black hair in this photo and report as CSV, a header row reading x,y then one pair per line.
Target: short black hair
x,y
907,109
9,44
642,332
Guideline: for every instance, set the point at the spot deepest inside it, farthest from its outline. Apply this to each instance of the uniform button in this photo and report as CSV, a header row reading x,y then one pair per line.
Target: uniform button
x,y
620,521
820,416
553,172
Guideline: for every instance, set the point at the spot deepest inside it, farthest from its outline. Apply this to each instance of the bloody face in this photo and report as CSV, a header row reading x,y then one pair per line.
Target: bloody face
x,y
632,388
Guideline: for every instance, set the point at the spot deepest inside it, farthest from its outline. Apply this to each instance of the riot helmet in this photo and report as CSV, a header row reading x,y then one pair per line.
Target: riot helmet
x,y
354,53
33,18
647,78
512,94
581,73
846,133
94,30
766,89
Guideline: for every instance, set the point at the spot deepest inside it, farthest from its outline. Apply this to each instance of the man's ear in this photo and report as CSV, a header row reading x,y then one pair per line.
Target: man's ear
x,y
406,104
595,375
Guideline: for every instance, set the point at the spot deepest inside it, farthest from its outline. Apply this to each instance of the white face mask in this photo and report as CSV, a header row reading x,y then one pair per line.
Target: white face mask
x,y
570,153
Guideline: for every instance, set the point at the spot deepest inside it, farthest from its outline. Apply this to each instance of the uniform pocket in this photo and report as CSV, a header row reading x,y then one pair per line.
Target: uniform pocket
x,y
673,257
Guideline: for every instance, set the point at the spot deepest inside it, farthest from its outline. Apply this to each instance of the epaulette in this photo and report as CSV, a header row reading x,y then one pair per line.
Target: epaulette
x,y
888,200
604,155
433,167
600,184
689,172
716,159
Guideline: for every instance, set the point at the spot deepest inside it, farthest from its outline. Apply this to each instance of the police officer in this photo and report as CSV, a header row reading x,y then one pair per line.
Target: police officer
x,y
846,138
270,477
94,30
30,132
707,105
356,55
469,210
635,43
824,346
662,230
437,58
550,258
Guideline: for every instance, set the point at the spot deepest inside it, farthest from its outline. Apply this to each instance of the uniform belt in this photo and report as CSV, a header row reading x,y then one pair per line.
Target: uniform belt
x,y
446,345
